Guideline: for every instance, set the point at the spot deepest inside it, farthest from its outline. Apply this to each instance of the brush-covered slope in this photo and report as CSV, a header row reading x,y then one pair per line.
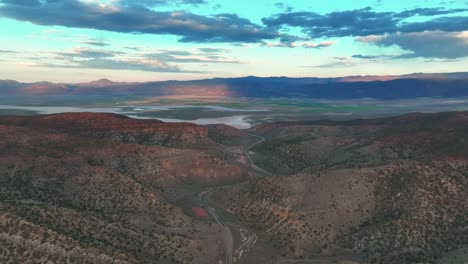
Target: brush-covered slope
x,y
293,147
98,188
120,128
386,191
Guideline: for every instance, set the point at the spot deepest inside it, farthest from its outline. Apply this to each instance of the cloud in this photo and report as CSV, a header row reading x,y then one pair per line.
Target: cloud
x,y
449,24
366,21
335,64
139,19
82,52
365,57
22,2
206,56
118,64
429,44
370,39
161,61
279,5
338,62
212,50
284,7
96,43
142,60
307,45
53,32
134,48
140,65
89,58
7,51
318,45
216,7
152,3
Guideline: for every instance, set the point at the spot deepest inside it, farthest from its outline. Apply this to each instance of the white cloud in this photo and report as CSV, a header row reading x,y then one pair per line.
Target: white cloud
x,y
308,45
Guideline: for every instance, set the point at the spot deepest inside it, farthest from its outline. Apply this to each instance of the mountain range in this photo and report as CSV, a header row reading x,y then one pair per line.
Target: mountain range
x,y
352,87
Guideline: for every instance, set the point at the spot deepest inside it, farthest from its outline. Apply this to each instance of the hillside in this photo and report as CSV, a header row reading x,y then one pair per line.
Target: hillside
x,y
373,191
78,187
100,188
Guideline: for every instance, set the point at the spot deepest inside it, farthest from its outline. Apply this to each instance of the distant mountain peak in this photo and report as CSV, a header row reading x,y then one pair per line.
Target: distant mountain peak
x,y
102,81
98,83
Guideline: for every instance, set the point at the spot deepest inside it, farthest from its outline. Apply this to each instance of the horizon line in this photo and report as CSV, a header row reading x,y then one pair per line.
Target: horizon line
x,y
245,76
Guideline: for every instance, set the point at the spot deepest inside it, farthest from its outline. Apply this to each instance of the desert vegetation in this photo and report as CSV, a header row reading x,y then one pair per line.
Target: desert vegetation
x,y
387,190
95,188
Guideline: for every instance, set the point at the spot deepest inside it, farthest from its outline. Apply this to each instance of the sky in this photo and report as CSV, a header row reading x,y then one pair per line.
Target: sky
x,y
147,40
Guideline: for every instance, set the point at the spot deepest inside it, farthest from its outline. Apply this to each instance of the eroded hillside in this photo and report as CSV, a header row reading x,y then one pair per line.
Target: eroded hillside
x,y
99,188
104,188
387,191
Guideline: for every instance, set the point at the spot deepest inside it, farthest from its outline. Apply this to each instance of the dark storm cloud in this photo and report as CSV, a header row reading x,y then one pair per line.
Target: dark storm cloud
x,y
430,44
366,21
139,19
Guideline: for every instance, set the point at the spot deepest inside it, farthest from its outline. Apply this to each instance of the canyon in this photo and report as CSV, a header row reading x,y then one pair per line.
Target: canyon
x,y
106,188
